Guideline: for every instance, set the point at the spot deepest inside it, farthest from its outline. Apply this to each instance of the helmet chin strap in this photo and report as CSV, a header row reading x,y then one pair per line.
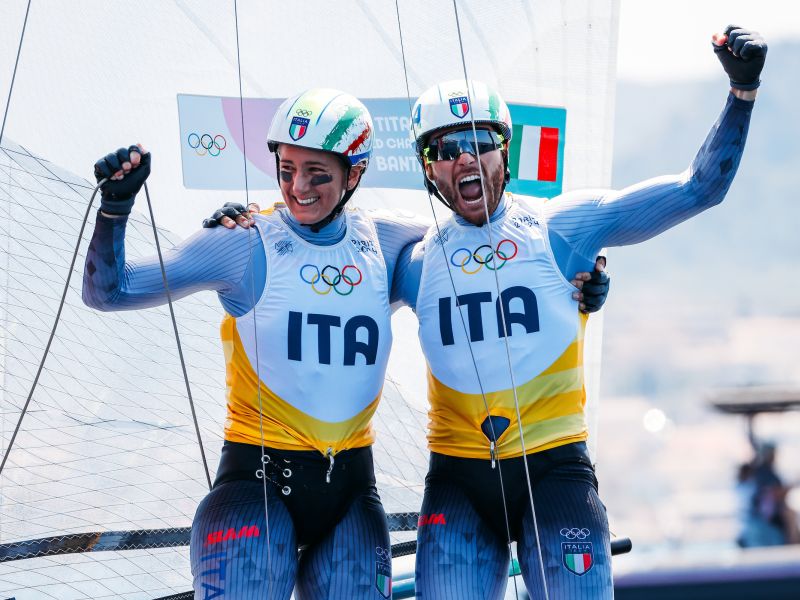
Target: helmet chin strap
x,y
337,210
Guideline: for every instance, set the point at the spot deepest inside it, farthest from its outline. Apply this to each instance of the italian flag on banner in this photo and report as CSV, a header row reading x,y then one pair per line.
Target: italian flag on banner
x,y
536,151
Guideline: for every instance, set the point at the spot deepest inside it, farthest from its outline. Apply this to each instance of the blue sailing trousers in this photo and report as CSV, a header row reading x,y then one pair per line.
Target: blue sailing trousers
x,y
324,540
463,533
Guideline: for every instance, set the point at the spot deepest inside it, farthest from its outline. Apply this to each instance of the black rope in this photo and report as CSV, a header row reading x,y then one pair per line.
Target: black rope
x,y
177,336
442,240
105,541
404,548
253,298
58,318
502,313
53,330
142,539
13,77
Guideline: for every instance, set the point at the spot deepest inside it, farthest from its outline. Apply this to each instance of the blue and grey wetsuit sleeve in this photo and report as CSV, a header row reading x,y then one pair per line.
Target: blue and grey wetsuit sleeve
x,y
408,273
582,222
228,262
397,235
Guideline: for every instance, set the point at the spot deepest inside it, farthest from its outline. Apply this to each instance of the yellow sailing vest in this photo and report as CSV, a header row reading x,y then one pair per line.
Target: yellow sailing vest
x,y
544,330
316,344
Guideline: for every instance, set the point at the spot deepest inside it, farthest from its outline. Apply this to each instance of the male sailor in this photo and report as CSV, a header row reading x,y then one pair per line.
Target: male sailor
x,y
503,339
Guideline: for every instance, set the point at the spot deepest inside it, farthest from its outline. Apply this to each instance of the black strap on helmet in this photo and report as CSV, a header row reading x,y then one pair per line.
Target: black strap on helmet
x,y
337,210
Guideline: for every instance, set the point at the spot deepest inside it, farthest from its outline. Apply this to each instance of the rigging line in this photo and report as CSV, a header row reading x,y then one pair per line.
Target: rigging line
x,y
253,297
502,312
385,37
485,43
53,330
455,293
13,78
177,335
174,323
207,32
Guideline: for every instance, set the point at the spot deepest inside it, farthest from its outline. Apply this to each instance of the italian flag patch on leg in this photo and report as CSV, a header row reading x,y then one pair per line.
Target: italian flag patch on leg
x,y
577,558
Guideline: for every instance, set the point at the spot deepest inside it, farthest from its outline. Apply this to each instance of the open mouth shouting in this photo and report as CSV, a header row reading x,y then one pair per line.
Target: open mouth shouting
x,y
470,188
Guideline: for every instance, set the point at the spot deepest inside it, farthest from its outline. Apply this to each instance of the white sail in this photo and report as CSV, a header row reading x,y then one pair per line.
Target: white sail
x,y
108,443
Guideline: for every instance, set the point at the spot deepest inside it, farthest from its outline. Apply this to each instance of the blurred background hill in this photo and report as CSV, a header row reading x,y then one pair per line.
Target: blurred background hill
x,y
712,303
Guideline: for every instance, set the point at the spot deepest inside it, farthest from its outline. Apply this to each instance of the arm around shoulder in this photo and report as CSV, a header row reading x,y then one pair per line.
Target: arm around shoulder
x,y
407,276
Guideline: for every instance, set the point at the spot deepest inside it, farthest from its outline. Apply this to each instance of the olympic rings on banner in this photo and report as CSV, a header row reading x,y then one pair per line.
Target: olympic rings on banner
x,y
206,144
484,255
332,277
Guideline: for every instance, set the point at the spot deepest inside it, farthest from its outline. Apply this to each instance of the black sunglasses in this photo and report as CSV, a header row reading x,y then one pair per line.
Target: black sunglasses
x,y
454,143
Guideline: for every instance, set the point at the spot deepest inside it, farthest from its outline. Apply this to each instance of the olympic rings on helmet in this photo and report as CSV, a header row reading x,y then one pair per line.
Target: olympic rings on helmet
x,y
301,112
484,256
206,144
332,277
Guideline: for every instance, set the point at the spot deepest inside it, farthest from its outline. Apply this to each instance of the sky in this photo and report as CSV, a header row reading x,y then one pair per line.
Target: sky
x,y
684,27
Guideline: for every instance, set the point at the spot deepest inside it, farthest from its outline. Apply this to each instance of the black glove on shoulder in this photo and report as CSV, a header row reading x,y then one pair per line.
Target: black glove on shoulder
x,y
118,195
742,56
229,209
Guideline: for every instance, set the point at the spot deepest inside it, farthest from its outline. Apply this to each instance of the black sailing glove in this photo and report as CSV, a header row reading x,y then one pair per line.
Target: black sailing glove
x,y
118,195
595,291
234,210
742,56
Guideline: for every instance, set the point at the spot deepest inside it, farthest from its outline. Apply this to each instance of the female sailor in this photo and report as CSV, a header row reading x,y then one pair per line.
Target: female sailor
x,y
306,337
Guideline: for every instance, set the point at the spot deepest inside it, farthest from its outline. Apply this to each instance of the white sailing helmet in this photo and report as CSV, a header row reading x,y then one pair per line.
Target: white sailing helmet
x,y
324,119
447,104
329,120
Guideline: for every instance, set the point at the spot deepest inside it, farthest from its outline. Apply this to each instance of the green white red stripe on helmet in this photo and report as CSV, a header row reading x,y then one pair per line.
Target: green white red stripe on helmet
x,y
324,119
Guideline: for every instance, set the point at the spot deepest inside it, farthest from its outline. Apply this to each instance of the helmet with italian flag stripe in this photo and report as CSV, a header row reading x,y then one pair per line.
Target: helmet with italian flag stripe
x,y
327,120
324,119
453,104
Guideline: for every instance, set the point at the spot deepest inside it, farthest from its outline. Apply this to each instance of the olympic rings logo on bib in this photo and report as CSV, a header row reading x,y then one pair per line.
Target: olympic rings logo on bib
x,y
331,278
484,256
206,144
